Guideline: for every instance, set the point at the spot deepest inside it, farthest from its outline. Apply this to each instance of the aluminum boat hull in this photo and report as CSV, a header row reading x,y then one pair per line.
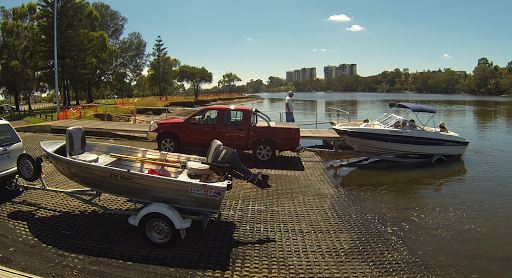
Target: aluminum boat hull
x,y
130,178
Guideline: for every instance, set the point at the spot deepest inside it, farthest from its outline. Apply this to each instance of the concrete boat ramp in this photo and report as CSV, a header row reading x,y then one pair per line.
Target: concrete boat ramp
x,y
302,226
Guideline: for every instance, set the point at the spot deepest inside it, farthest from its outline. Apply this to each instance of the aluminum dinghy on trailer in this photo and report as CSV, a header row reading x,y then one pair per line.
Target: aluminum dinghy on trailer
x,y
168,183
148,175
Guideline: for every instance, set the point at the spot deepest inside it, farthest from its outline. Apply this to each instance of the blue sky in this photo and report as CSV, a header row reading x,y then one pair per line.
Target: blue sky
x,y
256,39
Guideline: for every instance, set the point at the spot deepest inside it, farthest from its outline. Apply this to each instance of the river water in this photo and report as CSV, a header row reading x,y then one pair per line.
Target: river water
x,y
458,216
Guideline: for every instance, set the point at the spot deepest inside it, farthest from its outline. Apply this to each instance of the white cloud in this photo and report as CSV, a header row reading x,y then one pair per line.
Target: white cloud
x,y
355,28
339,18
323,50
314,50
446,56
248,39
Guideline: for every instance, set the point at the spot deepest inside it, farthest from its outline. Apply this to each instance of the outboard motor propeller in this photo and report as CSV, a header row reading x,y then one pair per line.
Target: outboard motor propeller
x,y
227,158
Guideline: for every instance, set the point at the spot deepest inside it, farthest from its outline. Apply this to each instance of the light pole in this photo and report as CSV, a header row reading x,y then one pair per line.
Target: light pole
x,y
55,57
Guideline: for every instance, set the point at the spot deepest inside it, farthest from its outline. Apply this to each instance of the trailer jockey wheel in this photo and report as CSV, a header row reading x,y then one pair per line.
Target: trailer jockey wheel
x,y
28,167
12,184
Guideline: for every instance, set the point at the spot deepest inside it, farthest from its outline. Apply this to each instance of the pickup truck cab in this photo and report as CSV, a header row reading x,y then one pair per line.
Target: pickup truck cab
x,y
239,127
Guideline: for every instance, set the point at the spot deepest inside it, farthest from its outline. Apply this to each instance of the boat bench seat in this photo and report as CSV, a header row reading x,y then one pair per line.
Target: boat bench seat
x,y
198,168
105,159
86,157
196,171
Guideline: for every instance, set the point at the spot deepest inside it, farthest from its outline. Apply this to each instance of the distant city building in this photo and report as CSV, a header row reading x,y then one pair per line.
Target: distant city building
x,y
301,75
343,69
330,71
461,74
296,75
289,76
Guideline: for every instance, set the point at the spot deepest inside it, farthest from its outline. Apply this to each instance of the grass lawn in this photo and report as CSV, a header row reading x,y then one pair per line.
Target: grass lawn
x,y
112,106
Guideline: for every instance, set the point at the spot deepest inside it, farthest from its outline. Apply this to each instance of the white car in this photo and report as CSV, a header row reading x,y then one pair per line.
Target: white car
x,y
11,147
13,159
4,108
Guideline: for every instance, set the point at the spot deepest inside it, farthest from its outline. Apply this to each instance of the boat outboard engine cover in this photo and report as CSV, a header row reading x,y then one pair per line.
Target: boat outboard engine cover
x,y
227,158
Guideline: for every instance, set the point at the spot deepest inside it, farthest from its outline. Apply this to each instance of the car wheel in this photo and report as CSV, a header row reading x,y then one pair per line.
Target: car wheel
x,y
28,167
264,151
168,143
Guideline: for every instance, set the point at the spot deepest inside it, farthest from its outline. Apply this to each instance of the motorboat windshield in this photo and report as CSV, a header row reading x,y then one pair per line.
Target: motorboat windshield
x,y
387,121
416,109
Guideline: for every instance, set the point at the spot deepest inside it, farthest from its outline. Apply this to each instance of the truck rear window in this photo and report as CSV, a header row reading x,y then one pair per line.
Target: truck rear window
x,y
233,117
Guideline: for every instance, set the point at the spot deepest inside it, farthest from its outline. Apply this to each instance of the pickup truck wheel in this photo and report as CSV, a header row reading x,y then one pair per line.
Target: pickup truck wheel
x,y
168,143
264,151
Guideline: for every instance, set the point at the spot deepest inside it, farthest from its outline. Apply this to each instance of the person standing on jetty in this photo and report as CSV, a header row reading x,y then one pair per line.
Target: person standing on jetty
x,y
288,108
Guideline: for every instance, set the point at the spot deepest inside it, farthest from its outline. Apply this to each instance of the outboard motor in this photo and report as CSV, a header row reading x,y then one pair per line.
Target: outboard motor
x,y
226,158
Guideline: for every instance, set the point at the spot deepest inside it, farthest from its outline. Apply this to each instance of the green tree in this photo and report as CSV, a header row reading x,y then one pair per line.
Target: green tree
x,y
195,77
111,22
18,59
483,77
446,82
420,82
254,86
161,71
78,44
229,79
276,82
133,58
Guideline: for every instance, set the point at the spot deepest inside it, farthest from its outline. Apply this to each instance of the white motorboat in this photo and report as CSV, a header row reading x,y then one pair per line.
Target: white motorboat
x,y
389,137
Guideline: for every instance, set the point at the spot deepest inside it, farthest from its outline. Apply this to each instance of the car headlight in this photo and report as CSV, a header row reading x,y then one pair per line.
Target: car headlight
x,y
153,125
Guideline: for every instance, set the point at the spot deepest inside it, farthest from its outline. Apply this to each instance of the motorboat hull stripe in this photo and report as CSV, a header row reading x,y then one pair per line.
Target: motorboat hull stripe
x,y
401,139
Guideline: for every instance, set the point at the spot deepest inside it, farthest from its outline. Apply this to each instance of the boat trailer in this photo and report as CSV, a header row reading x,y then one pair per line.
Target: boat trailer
x,y
436,159
158,222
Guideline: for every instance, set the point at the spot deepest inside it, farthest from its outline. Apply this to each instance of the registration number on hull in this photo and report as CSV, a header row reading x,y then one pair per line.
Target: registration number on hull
x,y
121,177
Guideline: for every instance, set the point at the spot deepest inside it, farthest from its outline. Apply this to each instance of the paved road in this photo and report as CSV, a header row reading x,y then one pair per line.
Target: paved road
x,y
302,226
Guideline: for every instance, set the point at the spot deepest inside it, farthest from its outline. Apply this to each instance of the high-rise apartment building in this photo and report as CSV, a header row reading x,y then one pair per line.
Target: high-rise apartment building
x,y
330,71
343,69
301,75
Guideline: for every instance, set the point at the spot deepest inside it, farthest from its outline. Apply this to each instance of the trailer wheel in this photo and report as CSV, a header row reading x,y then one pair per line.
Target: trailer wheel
x,y
28,168
264,150
438,160
158,230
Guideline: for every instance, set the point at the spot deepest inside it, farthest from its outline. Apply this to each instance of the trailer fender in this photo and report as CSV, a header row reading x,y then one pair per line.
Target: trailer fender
x,y
180,223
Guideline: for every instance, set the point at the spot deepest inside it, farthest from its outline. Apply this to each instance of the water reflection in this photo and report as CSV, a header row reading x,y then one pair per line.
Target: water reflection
x,y
394,177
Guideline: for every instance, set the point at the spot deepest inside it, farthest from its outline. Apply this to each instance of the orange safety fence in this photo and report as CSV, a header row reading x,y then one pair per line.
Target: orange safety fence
x,y
76,112
70,113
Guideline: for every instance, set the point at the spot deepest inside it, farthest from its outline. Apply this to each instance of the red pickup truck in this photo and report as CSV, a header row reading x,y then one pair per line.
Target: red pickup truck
x,y
238,127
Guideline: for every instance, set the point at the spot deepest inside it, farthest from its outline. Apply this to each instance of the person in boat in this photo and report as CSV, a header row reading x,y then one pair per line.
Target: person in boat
x,y
411,125
404,123
397,124
366,122
442,127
